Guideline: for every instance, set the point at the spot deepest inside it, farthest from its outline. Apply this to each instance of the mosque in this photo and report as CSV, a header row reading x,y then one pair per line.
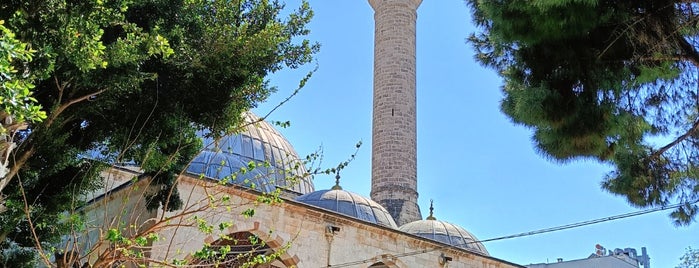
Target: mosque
x,y
309,228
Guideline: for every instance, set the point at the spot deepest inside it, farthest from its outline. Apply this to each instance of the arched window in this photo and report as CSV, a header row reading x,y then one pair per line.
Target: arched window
x,y
240,248
378,265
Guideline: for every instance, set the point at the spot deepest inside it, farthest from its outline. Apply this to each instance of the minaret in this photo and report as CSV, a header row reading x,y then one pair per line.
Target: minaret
x,y
394,135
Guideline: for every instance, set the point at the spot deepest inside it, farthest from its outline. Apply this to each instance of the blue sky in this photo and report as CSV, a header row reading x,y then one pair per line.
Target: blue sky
x,y
481,170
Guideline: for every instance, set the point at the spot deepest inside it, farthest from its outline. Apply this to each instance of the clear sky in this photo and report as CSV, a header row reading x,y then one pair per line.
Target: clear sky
x,y
481,170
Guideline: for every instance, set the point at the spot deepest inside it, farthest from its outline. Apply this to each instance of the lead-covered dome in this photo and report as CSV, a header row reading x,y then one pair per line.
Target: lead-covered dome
x,y
259,143
444,232
350,204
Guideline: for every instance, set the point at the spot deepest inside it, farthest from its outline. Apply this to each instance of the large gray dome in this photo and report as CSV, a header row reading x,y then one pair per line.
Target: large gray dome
x,y
349,204
259,143
446,233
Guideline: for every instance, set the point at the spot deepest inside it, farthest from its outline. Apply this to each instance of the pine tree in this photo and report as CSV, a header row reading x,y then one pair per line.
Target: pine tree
x,y
608,80
690,259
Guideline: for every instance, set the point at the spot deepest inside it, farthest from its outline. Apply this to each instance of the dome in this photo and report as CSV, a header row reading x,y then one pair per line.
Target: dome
x,y
350,204
258,143
444,232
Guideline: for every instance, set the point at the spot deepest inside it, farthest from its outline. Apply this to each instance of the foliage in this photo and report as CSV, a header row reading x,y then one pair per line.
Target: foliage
x,y
15,256
608,80
132,81
690,259
15,97
16,102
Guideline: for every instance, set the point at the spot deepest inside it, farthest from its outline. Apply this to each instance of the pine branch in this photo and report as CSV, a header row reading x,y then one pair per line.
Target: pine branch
x,y
689,52
690,132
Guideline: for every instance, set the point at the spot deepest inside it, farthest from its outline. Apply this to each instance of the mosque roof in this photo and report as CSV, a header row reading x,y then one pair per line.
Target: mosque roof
x,y
444,232
259,143
350,204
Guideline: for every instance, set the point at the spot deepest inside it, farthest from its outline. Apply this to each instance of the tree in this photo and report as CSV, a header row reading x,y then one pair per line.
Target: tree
x,y
132,81
613,81
690,259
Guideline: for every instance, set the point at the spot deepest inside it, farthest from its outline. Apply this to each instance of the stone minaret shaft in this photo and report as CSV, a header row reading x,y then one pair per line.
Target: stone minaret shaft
x,y
394,135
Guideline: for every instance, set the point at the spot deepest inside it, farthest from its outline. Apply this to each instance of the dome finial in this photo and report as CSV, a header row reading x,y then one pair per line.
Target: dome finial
x,y
431,217
337,182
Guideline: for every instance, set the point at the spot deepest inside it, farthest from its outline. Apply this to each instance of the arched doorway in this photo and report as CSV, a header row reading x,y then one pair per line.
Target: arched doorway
x,y
237,249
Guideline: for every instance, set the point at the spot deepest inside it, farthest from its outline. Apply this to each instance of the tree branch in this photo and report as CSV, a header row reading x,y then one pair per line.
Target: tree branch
x,y
302,84
64,106
30,151
27,213
15,168
691,131
688,50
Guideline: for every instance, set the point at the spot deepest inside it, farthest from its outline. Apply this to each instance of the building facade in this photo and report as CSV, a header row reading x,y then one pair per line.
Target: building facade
x,y
304,235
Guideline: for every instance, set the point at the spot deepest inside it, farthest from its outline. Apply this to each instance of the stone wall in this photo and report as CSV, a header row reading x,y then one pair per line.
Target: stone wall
x,y
307,231
302,232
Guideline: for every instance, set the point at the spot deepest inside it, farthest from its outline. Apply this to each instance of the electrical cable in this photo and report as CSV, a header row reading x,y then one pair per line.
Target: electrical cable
x,y
530,233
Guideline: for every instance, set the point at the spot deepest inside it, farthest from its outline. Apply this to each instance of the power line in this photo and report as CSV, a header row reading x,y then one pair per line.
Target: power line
x,y
536,232
590,222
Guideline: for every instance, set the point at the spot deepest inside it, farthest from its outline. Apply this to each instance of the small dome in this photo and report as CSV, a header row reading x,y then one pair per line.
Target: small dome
x,y
444,232
258,143
349,204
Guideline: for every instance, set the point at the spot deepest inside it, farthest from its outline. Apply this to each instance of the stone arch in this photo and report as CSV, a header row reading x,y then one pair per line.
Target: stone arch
x,y
272,239
387,261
